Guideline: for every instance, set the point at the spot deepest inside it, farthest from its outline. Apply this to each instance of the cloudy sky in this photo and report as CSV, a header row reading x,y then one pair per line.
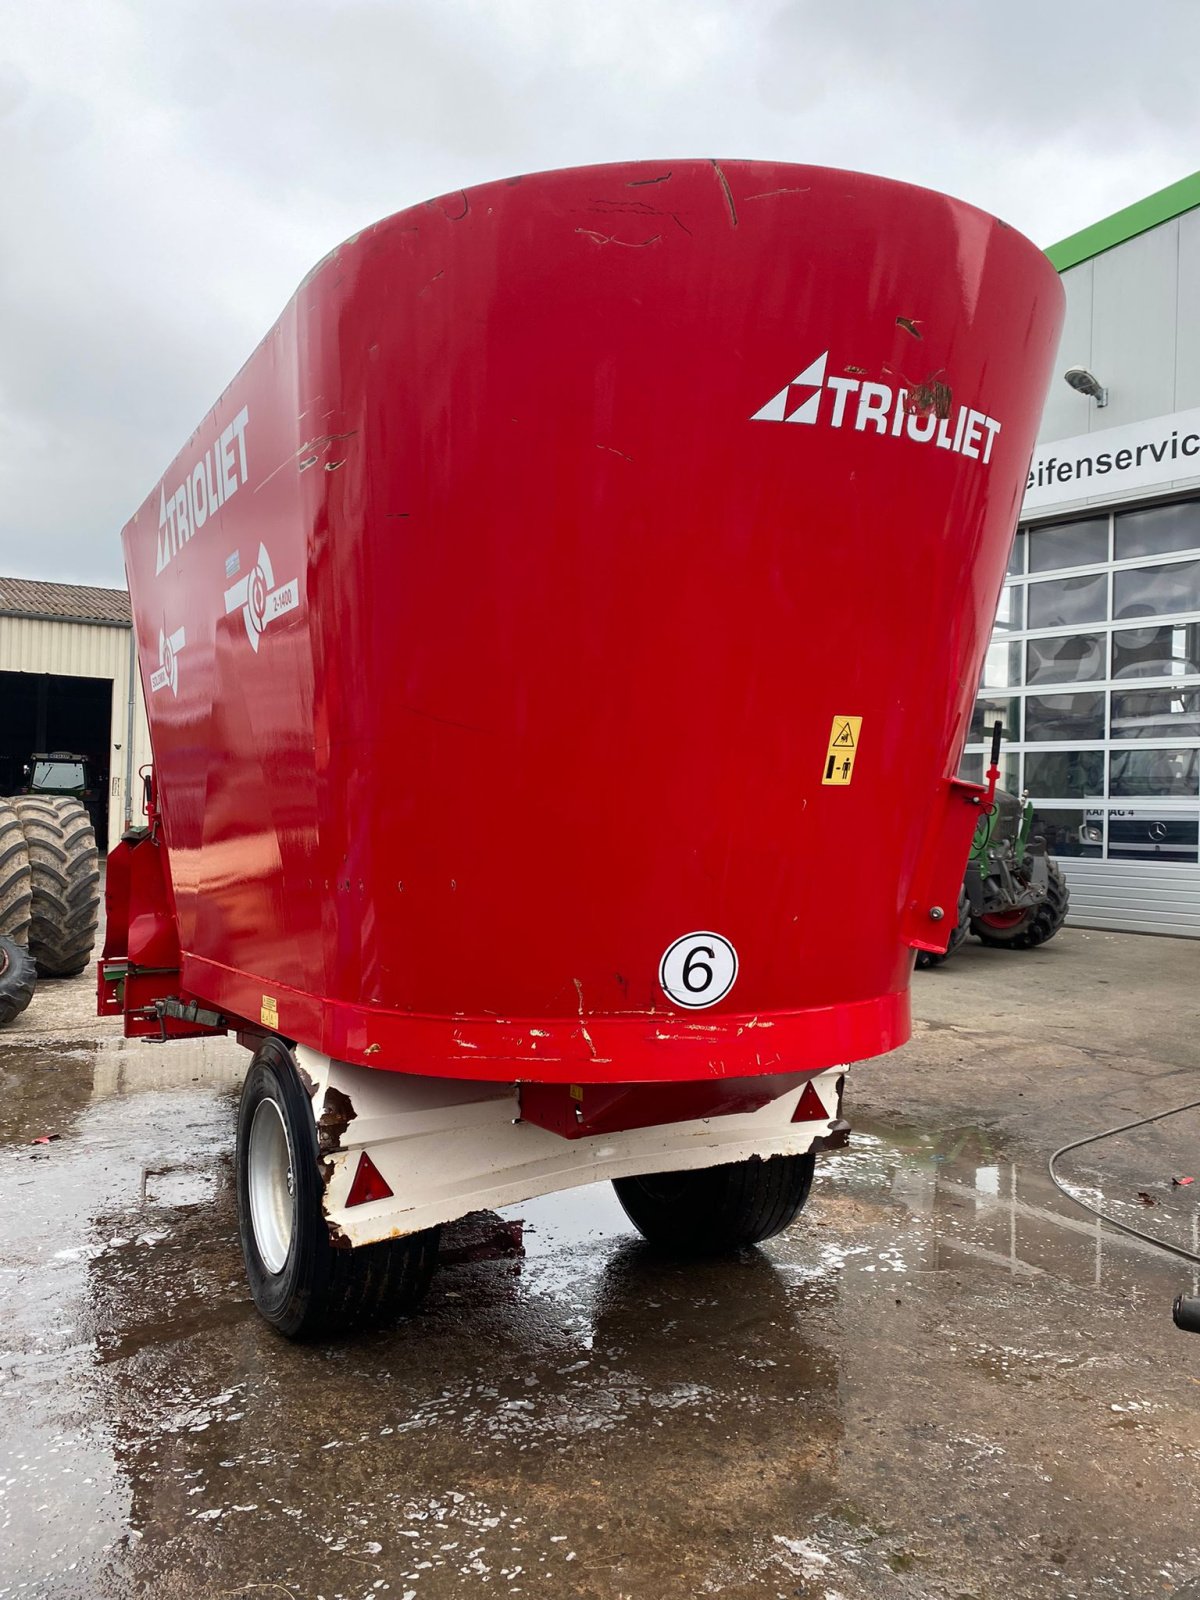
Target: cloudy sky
x,y
170,169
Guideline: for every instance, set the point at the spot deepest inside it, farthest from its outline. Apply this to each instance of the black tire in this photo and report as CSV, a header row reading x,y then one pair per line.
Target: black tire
x,y
929,958
319,1289
718,1209
16,884
1042,922
65,877
17,980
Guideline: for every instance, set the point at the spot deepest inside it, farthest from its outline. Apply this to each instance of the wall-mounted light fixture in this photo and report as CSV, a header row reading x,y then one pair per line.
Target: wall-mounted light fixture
x,y
1085,382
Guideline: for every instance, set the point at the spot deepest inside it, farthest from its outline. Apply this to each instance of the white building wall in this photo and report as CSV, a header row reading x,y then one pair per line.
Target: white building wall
x,y
90,650
1133,320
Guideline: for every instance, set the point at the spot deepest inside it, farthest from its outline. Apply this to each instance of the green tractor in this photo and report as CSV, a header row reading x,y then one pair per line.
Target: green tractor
x,y
61,772
1013,895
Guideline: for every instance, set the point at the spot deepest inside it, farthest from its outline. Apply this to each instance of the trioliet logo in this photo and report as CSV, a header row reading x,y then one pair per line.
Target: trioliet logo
x,y
218,474
922,412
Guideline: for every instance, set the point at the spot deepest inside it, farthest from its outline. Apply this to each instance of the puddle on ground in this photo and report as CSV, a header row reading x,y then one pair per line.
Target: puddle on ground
x,y
943,1381
982,1205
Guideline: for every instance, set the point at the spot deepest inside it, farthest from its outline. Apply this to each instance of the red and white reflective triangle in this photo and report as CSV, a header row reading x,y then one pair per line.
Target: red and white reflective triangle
x,y
810,1107
369,1184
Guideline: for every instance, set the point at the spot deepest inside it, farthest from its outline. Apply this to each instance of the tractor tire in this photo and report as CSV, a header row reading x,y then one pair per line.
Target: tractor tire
x,y
930,958
716,1210
1040,922
65,876
304,1286
16,886
17,980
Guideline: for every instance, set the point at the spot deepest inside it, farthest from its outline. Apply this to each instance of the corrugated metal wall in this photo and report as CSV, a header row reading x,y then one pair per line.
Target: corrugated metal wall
x,y
88,650
1134,896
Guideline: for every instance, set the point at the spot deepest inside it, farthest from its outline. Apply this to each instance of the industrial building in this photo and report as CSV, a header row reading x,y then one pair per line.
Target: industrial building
x,y
1094,666
69,682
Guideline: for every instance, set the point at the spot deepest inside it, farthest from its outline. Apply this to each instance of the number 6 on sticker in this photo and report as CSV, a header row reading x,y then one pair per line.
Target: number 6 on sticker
x,y
698,970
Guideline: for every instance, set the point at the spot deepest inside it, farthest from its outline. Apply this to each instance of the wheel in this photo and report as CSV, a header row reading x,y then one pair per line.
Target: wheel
x,y
1027,928
718,1209
16,889
929,958
17,980
301,1283
65,877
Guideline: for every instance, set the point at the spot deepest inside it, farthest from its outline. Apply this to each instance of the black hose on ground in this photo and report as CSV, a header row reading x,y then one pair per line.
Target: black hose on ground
x,y
1125,1227
1186,1308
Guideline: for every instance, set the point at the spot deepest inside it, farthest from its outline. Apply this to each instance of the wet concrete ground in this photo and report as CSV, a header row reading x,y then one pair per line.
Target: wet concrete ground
x,y
942,1382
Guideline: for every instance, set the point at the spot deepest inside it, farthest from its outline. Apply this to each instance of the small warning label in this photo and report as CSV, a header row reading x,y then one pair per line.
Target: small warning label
x,y
843,748
270,1011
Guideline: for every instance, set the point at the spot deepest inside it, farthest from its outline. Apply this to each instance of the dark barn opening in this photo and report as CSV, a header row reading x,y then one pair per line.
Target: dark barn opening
x,y
42,712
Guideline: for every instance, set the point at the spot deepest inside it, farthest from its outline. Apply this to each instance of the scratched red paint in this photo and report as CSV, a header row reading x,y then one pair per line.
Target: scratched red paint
x,y
539,671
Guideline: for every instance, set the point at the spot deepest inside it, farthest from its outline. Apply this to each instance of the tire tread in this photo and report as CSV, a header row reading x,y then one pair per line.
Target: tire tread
x,y
1047,917
65,882
18,978
16,881
325,1289
718,1209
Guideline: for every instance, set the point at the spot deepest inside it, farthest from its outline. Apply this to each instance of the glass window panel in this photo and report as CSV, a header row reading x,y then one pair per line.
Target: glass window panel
x,y
1016,560
1158,530
1153,772
1008,711
1091,835
1153,591
1170,652
1148,835
1010,613
1001,665
1066,658
1062,602
1155,714
57,775
1064,773
1068,544
1065,716
1066,832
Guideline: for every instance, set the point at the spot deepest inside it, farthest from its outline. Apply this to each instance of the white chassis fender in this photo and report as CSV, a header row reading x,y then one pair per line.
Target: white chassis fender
x,y
447,1146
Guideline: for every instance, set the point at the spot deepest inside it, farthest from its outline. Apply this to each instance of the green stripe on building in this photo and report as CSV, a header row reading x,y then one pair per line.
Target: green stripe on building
x,y
1170,202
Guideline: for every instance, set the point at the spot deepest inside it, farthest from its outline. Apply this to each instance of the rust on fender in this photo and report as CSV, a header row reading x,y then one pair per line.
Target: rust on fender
x,y
560,638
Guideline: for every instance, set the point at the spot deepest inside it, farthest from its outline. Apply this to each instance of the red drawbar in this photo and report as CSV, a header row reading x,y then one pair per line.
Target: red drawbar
x,y
810,1107
369,1183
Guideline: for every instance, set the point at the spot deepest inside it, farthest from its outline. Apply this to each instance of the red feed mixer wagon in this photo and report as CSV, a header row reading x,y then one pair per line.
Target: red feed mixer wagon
x,y
559,641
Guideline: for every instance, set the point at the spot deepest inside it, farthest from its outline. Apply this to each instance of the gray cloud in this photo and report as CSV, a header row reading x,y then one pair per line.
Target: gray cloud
x,y
171,172
1028,70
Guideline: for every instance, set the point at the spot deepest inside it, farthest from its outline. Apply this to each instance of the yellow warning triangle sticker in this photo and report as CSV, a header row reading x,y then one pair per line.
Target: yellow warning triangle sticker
x,y
844,739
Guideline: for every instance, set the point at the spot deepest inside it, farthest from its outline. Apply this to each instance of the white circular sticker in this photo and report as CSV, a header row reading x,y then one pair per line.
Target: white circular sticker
x,y
698,970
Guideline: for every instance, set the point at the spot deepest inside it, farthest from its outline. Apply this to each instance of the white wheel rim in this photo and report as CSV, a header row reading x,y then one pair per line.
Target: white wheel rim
x,y
271,1186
